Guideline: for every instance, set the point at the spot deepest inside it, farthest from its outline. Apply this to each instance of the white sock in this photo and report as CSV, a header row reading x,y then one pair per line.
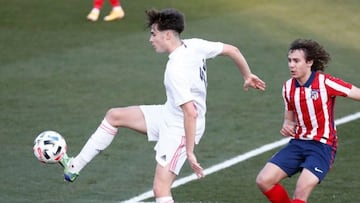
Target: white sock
x,y
116,8
98,141
168,199
95,10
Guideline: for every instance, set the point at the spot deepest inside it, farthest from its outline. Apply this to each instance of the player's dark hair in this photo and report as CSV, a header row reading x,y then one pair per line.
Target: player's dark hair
x,y
313,51
166,19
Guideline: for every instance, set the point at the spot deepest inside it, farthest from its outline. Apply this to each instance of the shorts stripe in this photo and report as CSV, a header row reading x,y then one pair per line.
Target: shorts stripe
x,y
177,154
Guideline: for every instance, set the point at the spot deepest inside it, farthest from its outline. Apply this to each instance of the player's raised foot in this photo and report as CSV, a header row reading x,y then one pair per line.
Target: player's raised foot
x,y
93,15
65,162
116,14
70,177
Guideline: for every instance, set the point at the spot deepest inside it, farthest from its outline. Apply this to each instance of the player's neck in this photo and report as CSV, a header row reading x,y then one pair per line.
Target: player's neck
x,y
304,79
174,44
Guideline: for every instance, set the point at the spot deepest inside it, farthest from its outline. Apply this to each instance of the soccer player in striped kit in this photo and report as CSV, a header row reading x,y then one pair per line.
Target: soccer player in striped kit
x,y
309,97
178,125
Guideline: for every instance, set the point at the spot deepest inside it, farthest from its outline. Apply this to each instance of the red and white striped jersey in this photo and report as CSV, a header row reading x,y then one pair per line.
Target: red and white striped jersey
x,y
313,105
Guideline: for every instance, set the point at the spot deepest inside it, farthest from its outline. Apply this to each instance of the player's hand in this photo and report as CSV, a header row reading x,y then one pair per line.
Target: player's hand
x,y
254,82
198,170
288,129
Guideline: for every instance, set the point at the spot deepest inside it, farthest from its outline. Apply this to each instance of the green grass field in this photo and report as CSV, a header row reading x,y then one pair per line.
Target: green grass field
x,y
60,72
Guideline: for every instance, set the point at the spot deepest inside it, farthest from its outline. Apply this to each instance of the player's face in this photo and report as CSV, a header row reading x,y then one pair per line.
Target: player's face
x,y
300,69
158,39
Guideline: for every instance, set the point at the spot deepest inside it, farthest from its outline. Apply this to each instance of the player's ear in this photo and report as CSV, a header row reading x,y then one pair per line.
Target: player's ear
x,y
310,63
168,34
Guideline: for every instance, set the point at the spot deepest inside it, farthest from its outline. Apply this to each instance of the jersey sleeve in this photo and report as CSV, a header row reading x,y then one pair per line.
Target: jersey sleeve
x,y
286,95
336,86
208,48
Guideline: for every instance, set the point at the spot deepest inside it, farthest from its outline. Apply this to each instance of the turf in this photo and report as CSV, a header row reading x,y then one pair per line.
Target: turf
x,y
60,72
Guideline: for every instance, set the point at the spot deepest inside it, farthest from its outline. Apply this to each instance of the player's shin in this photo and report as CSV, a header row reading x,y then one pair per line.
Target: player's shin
x,y
98,141
277,194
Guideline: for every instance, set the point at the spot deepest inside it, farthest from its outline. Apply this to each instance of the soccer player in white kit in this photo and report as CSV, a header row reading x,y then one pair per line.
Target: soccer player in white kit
x,y
178,124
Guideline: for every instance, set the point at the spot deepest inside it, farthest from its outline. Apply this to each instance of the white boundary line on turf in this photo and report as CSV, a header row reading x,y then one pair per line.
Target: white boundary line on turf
x,y
235,160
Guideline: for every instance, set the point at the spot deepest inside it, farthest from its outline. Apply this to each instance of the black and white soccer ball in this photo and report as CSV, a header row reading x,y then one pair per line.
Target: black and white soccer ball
x,y
49,147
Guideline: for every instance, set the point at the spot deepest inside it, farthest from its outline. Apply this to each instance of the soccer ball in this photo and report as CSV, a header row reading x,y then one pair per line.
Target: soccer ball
x,y
49,147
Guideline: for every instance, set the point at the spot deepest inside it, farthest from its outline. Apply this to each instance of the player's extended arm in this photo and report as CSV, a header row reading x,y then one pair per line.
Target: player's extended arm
x,y
354,93
190,115
238,58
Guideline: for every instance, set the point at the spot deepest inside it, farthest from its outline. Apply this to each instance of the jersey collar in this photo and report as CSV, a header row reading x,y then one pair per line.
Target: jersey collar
x,y
308,82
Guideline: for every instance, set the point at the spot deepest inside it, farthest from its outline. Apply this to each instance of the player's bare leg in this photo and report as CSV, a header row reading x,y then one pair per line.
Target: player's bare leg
x,y
129,117
306,183
268,181
163,180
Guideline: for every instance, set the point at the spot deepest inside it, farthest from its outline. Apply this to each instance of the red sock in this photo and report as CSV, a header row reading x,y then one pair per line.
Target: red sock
x,y
298,201
98,4
115,3
277,194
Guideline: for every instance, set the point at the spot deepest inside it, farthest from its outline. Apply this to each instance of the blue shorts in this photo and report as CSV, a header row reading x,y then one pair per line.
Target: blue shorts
x,y
312,155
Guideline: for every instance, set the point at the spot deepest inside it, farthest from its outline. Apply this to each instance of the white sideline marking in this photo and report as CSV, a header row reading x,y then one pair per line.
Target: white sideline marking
x,y
235,160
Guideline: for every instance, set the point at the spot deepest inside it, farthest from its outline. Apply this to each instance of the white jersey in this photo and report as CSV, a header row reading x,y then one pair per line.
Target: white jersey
x,y
185,80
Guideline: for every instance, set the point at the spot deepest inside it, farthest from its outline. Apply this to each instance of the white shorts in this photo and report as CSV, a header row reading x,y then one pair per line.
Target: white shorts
x,y
170,146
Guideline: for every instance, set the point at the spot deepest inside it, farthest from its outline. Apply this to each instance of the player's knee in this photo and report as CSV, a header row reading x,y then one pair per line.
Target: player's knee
x,y
260,180
303,191
158,192
161,190
112,116
263,182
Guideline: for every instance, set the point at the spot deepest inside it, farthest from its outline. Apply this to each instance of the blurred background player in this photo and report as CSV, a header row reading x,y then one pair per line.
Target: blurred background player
x,y
309,98
116,13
